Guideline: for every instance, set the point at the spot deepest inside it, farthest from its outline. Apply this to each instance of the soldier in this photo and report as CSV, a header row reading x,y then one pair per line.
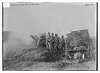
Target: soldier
x,y
52,41
56,40
48,41
62,43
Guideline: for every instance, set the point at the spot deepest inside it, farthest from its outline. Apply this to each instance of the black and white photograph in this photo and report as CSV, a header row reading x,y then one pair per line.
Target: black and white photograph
x,y
49,36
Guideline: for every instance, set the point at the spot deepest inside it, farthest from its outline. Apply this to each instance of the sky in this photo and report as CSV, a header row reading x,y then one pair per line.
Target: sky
x,y
60,18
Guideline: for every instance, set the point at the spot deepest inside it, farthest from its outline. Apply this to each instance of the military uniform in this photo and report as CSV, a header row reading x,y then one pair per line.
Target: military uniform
x,y
48,41
52,42
62,43
56,44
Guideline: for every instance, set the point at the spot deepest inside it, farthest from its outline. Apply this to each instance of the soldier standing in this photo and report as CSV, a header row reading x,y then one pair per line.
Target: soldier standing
x,y
62,42
56,44
52,41
48,41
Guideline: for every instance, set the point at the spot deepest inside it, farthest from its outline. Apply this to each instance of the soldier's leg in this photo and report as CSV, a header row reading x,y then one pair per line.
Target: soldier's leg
x,y
49,45
52,45
58,48
55,46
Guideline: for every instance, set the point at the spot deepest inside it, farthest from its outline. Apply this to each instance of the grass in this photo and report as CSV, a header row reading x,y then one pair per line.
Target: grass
x,y
19,60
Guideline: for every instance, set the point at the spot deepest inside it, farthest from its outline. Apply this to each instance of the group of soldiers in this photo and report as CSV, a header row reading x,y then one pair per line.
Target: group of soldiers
x,y
53,41
61,44
74,46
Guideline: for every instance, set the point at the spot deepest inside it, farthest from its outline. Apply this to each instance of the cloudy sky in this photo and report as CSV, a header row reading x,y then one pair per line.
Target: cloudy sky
x,y
59,18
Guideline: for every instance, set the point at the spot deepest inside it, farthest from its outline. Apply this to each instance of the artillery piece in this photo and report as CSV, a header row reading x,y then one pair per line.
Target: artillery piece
x,y
78,43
